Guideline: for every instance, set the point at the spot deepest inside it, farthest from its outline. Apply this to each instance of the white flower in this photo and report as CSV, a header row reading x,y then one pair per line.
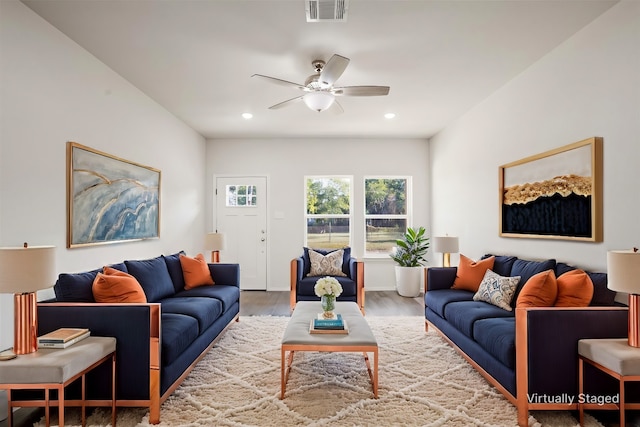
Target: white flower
x,y
328,286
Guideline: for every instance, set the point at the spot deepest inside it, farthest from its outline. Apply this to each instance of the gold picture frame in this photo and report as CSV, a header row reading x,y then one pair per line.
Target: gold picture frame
x,y
554,195
109,199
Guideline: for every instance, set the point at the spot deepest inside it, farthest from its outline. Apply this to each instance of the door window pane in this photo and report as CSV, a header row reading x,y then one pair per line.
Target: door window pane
x,y
241,195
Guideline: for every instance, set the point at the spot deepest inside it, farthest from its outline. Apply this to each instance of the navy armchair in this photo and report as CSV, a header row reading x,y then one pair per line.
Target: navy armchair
x,y
302,283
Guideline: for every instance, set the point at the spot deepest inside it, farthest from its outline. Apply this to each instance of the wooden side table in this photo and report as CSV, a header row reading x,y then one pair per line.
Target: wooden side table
x,y
615,357
54,369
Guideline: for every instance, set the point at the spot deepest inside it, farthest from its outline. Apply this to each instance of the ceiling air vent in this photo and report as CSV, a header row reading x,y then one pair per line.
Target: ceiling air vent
x,y
327,10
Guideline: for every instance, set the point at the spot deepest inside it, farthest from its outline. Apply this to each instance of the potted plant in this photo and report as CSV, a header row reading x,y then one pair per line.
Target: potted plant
x,y
409,254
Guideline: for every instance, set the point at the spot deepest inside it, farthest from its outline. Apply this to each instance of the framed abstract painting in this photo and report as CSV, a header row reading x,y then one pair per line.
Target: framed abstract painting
x,y
554,195
109,199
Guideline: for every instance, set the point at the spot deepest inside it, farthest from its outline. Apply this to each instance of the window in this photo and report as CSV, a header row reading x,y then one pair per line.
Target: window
x,y
241,195
386,213
328,211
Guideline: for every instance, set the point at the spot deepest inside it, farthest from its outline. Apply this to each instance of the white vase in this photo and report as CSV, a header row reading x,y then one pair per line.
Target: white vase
x,y
408,281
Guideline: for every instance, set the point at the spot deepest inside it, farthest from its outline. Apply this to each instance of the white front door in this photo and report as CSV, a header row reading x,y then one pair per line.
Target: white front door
x,y
241,215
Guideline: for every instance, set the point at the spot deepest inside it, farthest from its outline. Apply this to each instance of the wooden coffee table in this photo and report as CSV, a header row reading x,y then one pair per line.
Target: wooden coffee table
x,y
297,338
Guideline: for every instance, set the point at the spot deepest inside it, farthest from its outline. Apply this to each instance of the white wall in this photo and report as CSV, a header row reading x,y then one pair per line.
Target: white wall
x,y
53,91
588,86
286,163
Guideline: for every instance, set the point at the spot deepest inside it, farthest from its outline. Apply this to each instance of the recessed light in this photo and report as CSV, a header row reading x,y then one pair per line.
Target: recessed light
x,y
389,115
247,116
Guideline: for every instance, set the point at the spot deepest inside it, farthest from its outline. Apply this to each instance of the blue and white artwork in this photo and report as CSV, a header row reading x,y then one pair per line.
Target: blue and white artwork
x,y
112,200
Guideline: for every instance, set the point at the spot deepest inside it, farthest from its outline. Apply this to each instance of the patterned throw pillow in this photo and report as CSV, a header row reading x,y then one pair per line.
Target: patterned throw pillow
x,y
497,290
326,265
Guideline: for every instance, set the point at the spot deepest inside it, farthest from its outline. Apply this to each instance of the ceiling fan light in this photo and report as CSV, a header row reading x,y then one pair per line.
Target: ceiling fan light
x,y
318,101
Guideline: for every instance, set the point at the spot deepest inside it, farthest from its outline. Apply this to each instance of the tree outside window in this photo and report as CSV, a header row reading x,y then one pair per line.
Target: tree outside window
x,y
386,213
328,212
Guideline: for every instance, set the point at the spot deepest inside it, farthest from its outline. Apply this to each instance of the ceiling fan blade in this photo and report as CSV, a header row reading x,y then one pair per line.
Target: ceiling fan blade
x,y
361,91
333,70
336,108
286,103
280,81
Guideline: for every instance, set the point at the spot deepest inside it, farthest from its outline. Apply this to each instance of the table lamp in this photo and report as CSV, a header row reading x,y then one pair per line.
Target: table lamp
x,y
216,243
623,275
23,271
445,245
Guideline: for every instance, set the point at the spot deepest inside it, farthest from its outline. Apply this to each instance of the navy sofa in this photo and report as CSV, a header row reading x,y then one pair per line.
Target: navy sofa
x,y
158,343
529,354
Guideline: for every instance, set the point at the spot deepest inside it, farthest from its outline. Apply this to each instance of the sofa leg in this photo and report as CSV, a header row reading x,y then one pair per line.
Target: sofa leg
x,y
426,326
523,417
154,394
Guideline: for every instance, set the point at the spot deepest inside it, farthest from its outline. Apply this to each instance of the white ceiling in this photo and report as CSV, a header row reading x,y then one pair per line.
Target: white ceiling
x,y
196,57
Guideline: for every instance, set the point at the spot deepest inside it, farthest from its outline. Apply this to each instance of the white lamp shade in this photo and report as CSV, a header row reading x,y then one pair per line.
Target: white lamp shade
x,y
215,241
445,244
319,101
623,271
27,269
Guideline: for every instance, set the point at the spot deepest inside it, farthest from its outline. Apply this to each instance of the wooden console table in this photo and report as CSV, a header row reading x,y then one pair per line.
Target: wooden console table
x,y
54,369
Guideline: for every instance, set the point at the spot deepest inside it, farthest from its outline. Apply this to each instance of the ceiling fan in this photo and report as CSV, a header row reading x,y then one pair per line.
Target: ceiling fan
x,y
320,91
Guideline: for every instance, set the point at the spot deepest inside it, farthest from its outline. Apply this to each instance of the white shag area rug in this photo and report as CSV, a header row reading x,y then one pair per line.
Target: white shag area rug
x,y
423,381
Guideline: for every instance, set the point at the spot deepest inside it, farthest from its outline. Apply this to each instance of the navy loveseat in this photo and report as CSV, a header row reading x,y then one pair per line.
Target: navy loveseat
x,y
158,342
528,354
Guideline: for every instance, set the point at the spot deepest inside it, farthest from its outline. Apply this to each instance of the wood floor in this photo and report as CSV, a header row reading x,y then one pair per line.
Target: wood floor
x,y
377,303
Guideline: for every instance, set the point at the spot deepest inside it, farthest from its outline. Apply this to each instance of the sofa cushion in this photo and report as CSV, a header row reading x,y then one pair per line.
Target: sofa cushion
x,y
463,314
497,290
175,270
502,264
153,276
178,332
470,273
346,257
602,296
438,300
204,310
575,289
77,287
498,337
195,271
306,286
541,290
228,295
118,287
525,269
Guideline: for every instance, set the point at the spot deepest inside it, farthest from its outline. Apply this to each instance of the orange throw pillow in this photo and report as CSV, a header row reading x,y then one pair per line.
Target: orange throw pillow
x,y
470,273
540,290
117,286
195,271
575,289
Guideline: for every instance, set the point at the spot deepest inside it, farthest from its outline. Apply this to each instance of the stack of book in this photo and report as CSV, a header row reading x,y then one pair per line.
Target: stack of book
x,y
62,338
328,326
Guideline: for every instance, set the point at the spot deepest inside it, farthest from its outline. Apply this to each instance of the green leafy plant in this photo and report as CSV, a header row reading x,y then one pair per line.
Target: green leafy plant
x,y
411,249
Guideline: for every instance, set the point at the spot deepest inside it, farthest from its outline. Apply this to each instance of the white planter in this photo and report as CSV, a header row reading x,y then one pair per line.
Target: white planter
x,y
408,281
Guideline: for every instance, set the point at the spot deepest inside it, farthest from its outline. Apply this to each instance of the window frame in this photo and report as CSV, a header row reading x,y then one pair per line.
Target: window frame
x,y
308,216
407,217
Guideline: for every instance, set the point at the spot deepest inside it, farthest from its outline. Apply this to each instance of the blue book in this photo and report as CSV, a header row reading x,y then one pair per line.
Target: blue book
x,y
328,323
